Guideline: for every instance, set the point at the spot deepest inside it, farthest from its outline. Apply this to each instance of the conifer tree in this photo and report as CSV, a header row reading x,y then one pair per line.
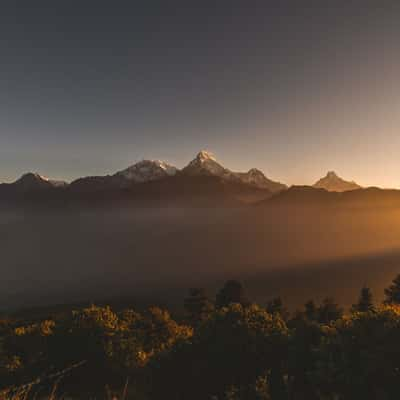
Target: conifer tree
x,y
392,293
364,303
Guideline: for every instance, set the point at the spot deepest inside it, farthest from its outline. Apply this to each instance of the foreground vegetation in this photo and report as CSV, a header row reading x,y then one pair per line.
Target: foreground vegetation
x,y
223,349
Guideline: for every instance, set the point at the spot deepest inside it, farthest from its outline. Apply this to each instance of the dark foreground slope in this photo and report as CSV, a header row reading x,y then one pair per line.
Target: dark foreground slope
x,y
223,347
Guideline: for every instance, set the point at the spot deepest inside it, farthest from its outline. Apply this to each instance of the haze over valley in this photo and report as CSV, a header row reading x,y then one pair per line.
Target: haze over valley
x,y
152,231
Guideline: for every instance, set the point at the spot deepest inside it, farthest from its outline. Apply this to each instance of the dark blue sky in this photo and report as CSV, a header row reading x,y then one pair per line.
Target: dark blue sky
x,y
294,88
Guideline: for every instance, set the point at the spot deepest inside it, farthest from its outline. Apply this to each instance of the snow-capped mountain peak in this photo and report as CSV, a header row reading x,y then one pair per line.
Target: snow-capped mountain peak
x,y
147,170
205,163
204,156
256,178
334,183
332,175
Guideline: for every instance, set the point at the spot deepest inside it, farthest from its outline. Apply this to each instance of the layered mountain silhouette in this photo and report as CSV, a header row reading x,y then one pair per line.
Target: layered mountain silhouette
x,y
334,183
152,181
203,181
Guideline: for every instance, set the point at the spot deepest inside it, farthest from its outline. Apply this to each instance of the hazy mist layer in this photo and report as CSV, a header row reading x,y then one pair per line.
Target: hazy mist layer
x,y
298,253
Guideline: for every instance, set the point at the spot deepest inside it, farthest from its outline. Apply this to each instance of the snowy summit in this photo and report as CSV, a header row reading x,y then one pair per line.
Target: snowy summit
x,y
146,171
334,183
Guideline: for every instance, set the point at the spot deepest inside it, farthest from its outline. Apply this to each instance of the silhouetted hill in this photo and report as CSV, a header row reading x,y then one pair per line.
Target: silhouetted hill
x,y
311,196
303,195
174,190
179,190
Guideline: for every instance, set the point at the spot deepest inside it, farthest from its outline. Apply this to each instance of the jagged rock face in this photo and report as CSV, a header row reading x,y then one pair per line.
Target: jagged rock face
x,y
206,164
333,183
146,171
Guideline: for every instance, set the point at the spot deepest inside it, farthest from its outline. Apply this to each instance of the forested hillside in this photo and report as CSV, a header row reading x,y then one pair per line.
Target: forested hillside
x,y
227,348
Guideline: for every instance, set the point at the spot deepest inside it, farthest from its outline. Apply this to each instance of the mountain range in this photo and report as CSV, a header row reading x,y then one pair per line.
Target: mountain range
x,y
203,176
202,181
204,164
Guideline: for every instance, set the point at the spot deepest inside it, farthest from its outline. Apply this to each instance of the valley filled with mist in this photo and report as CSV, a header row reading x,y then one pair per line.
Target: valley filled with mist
x,y
63,256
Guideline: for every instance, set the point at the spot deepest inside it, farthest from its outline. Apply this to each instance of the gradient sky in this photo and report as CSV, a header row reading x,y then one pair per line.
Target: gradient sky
x,y
294,90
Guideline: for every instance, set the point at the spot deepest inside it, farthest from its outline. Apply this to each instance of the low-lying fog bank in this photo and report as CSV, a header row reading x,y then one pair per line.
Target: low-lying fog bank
x,y
298,253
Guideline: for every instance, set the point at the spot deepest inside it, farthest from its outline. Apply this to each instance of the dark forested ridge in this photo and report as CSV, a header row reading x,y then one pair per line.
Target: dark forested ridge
x,y
222,348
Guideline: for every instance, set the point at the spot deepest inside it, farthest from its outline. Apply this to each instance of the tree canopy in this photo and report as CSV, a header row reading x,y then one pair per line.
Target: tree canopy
x,y
232,349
